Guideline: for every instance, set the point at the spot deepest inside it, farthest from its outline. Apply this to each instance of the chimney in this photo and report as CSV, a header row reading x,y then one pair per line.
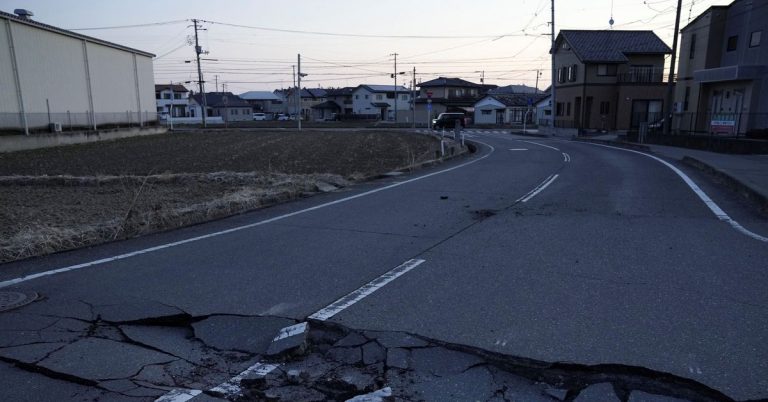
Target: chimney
x,y
23,14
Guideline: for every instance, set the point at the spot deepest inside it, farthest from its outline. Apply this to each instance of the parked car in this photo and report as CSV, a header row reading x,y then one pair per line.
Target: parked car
x,y
259,116
448,120
282,117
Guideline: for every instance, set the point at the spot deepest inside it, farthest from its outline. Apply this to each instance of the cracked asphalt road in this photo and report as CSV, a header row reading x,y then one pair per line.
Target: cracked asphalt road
x,y
615,269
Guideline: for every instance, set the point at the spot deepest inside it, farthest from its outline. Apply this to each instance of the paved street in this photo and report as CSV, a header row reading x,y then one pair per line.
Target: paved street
x,y
540,249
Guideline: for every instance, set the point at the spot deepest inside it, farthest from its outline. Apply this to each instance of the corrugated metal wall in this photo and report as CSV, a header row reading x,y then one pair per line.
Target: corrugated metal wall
x,y
52,67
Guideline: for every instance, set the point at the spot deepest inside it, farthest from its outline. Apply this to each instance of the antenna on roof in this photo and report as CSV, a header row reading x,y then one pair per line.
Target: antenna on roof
x,y
611,21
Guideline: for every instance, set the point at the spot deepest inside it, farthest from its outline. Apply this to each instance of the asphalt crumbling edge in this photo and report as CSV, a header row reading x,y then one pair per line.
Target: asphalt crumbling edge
x,y
744,190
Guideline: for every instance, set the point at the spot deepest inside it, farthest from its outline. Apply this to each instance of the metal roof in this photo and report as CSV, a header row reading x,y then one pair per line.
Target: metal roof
x,y
61,31
384,88
516,99
448,82
612,46
259,95
176,87
216,99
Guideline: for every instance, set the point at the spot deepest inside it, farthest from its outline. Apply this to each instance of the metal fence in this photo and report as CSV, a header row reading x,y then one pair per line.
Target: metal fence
x,y
751,125
74,121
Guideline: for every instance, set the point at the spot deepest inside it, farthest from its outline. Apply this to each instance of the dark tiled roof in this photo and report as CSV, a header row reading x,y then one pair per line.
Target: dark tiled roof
x,y
518,99
448,82
216,99
346,91
176,88
327,105
612,46
313,93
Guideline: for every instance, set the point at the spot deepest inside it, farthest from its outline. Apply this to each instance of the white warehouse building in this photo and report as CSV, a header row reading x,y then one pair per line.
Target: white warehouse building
x,y
51,78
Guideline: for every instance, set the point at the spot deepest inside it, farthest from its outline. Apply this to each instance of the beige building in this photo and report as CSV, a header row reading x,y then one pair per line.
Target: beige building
x,y
54,78
609,80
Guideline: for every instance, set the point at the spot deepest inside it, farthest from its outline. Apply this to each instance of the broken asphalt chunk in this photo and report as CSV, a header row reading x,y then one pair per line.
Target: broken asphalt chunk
x,y
247,334
598,392
289,339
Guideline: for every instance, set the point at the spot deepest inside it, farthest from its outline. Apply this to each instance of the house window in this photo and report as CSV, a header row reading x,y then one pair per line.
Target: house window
x,y
687,98
166,96
754,39
246,111
404,97
692,51
485,112
379,97
607,70
559,109
157,95
366,96
561,74
733,42
568,109
357,96
234,111
605,107
572,73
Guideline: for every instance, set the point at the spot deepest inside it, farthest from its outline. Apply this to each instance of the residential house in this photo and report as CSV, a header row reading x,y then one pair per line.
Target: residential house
x,y
722,84
172,99
226,105
447,95
609,80
511,109
263,102
544,111
380,100
513,89
309,97
338,105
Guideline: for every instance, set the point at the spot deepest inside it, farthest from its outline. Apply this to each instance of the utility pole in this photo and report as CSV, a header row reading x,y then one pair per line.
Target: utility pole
x,y
395,78
293,67
554,74
216,77
200,81
538,73
413,98
298,89
671,83
170,111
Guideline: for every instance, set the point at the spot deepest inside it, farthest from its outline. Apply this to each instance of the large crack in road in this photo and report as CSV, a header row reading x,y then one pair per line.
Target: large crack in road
x,y
146,349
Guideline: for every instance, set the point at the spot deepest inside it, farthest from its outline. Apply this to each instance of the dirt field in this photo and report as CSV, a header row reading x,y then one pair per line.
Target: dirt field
x,y
61,198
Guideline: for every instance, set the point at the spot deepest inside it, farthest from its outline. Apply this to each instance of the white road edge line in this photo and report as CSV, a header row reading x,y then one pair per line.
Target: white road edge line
x,y
30,277
365,290
518,149
538,188
541,145
719,213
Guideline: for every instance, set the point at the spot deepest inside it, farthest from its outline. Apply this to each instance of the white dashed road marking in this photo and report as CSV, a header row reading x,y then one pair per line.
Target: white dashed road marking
x,y
541,145
538,188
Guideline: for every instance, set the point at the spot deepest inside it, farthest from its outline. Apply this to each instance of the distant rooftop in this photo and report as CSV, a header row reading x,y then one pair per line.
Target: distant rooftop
x,y
448,82
385,88
259,95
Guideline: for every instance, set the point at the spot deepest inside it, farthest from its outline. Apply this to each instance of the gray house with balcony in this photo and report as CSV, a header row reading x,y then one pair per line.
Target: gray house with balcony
x,y
609,80
722,85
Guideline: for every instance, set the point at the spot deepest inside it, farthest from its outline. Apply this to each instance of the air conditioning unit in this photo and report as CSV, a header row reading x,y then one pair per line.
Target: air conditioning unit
x,y
55,127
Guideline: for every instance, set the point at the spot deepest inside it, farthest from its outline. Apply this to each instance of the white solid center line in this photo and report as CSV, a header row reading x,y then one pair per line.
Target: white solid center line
x,y
232,386
365,290
538,188
179,395
541,145
518,149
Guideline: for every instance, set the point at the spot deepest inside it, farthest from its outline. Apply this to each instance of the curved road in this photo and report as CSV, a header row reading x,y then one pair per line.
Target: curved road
x,y
540,248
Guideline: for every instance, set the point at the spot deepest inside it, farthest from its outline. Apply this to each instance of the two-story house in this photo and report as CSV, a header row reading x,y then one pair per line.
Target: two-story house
x,y
609,80
447,95
338,104
380,100
722,86
172,99
301,102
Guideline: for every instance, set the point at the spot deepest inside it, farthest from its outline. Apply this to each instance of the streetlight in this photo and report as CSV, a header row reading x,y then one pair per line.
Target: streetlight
x,y
482,76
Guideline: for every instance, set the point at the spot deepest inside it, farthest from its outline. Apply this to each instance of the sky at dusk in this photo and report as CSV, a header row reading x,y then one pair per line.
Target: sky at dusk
x,y
254,44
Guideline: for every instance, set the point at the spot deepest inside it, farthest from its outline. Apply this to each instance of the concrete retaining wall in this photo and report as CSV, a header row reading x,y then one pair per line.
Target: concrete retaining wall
x,y
12,143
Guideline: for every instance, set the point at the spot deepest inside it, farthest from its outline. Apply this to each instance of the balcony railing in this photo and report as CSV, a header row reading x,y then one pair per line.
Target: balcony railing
x,y
642,75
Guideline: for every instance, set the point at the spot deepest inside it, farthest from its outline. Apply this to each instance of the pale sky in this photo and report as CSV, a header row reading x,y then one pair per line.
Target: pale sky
x,y
508,39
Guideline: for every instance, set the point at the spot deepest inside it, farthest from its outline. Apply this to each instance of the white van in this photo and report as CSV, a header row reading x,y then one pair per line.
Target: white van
x,y
259,116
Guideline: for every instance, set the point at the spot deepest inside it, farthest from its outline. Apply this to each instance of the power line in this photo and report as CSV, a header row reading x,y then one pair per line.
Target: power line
x,y
130,26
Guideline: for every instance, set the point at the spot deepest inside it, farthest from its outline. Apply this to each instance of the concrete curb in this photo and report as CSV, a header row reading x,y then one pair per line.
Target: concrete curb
x,y
747,192
628,145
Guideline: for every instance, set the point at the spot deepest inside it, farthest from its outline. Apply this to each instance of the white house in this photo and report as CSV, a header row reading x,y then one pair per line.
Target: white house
x,y
506,109
264,101
379,100
52,78
544,112
172,98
